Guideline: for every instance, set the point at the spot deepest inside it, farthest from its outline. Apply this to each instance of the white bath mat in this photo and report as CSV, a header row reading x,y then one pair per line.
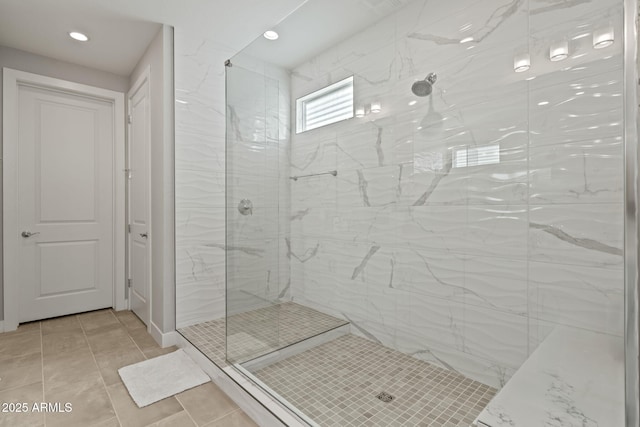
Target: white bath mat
x,y
163,376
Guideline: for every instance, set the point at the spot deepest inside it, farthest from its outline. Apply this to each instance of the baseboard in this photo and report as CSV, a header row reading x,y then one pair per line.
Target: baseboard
x,y
164,339
256,403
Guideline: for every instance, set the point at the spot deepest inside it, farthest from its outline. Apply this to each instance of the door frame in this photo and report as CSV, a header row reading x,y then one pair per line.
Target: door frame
x,y
145,76
12,79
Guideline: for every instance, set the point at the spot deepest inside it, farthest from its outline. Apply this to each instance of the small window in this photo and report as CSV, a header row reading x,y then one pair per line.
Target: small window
x,y
476,156
325,106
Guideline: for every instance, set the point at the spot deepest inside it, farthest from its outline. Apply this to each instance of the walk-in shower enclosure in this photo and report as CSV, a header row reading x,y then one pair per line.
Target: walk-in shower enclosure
x,y
384,248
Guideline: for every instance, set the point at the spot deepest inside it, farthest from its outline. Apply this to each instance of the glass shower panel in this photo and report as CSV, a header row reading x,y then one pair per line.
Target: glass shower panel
x,y
252,214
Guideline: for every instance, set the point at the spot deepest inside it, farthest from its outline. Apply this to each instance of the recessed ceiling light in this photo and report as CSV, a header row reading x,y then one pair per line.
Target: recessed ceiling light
x,y
466,40
78,36
271,35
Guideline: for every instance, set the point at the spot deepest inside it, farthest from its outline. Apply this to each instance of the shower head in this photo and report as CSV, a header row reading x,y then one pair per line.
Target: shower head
x,y
424,87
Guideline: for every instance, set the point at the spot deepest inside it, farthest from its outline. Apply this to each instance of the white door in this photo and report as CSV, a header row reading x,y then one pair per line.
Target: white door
x,y
139,198
65,203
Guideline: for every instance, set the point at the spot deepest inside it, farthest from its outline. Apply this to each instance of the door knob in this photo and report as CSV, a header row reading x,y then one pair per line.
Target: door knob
x,y
145,235
27,234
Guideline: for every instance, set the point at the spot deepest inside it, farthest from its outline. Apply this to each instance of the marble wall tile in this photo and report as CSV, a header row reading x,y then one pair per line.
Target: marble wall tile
x,y
314,192
499,231
580,172
204,302
496,284
372,187
314,222
367,144
588,234
441,228
570,14
495,335
200,189
200,263
433,323
589,298
313,153
427,272
434,181
200,226
575,111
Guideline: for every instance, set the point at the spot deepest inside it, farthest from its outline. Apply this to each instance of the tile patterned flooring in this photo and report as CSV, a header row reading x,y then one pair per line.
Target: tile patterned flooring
x,y
75,359
258,332
336,384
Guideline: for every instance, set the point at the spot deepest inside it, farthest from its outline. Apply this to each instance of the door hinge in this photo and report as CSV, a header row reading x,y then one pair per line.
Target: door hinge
x,y
129,119
129,282
129,227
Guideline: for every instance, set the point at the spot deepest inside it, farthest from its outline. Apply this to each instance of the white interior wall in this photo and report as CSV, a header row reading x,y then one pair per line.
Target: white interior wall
x,y
159,59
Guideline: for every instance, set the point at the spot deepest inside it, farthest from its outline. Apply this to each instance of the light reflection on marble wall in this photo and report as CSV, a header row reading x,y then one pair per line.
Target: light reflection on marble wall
x,y
469,268
200,178
260,173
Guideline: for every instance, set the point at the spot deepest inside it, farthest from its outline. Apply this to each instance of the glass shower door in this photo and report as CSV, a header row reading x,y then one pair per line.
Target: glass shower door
x,y
252,214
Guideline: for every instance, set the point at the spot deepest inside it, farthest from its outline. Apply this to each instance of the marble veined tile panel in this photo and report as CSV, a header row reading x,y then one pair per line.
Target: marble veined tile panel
x,y
502,182
495,335
426,272
496,284
580,111
434,181
203,263
587,234
547,16
313,153
198,302
589,298
200,189
370,187
442,228
198,226
499,231
370,225
366,144
581,172
483,25
314,192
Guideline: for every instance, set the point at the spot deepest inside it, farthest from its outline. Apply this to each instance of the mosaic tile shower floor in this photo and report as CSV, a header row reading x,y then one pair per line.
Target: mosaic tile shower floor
x,y
258,332
336,384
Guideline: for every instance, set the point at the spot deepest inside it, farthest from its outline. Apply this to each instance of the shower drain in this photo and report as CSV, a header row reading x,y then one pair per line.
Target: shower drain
x,y
385,397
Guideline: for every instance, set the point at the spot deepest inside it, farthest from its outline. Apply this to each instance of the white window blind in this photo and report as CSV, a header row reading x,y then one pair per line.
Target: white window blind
x,y
476,156
325,106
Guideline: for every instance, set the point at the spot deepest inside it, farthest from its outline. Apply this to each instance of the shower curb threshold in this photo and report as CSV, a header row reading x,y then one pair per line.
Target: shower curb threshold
x,y
263,409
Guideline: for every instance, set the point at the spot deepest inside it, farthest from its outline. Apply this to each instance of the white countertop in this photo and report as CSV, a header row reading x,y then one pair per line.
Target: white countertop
x,y
575,378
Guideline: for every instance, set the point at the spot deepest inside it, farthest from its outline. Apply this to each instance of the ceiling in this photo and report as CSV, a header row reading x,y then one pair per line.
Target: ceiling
x,y
120,30
318,25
